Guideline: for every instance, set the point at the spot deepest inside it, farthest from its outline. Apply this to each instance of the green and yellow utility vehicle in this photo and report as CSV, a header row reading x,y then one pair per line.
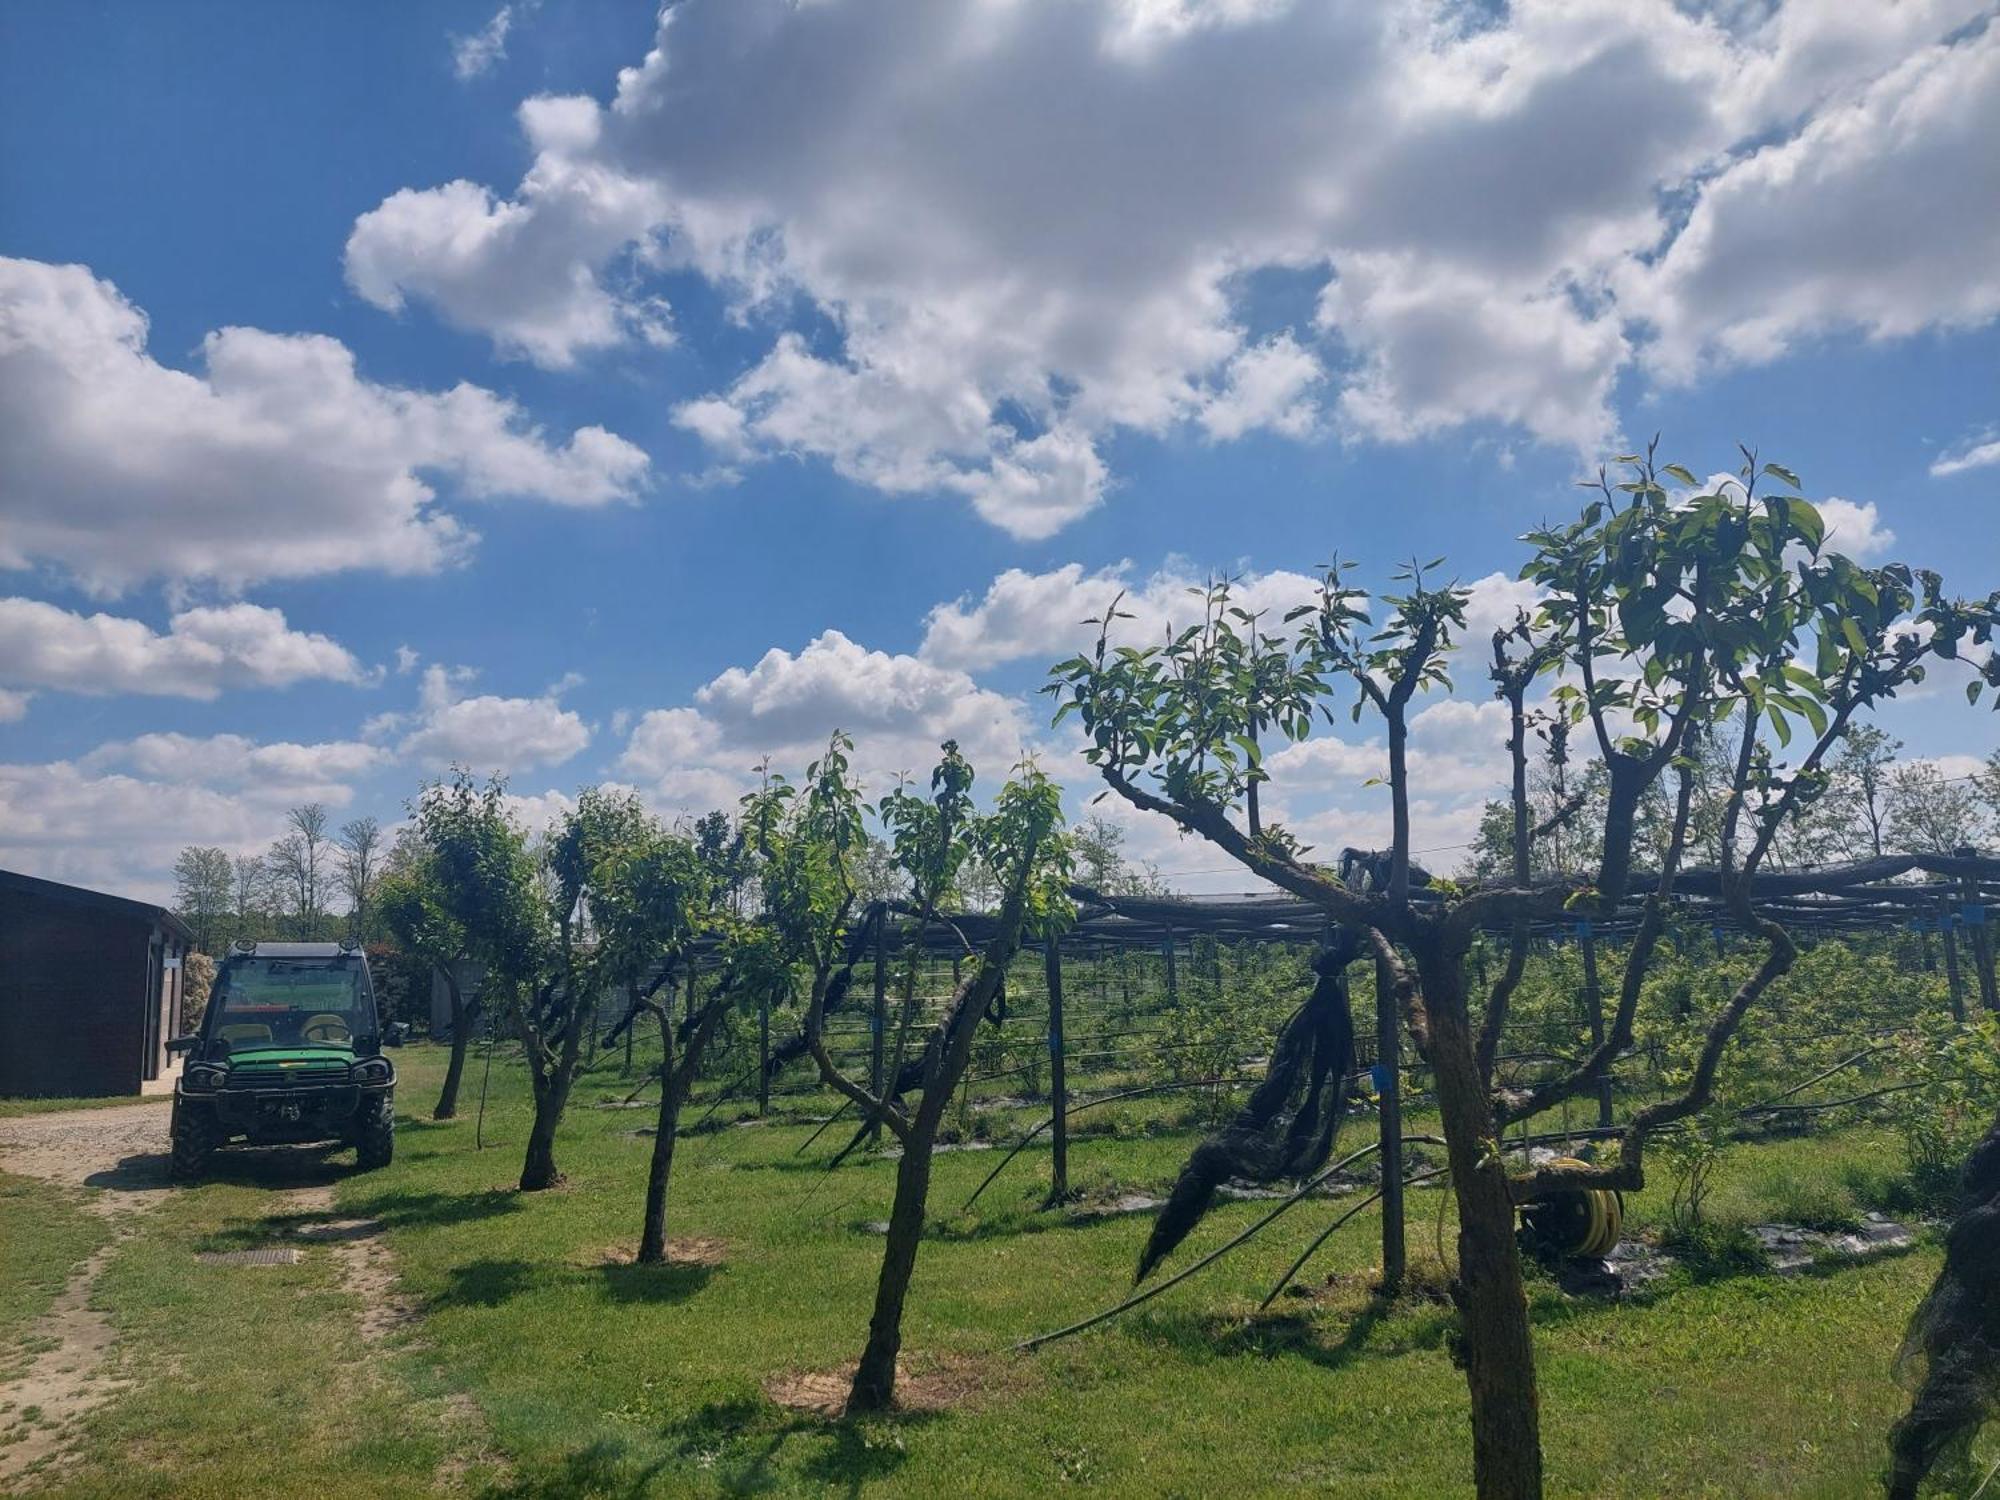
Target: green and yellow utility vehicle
x,y
289,1052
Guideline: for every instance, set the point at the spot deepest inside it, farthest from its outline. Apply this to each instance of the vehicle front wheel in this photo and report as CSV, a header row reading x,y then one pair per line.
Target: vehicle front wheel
x,y
195,1139
375,1135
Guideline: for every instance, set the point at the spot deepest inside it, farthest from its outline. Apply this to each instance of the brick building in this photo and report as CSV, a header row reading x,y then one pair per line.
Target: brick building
x,y
90,989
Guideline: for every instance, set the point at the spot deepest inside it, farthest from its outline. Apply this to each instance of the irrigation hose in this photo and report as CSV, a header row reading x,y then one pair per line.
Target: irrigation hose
x,y
1209,1259
1327,1233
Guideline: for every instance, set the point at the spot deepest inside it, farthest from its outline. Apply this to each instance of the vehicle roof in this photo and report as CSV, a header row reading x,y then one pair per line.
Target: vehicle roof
x,y
297,950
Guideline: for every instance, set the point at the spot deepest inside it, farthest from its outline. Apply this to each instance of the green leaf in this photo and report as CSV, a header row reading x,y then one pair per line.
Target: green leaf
x,y
1807,521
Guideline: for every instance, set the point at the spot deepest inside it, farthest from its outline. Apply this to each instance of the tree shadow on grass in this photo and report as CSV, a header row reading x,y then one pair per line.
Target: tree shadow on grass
x,y
1296,1335
495,1282
370,1217
604,1469
675,1281
398,1209
736,1443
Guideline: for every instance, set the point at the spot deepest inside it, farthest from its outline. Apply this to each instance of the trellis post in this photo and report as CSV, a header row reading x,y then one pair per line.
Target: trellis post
x,y
878,1025
1058,1082
1388,1089
1954,983
1593,999
763,1055
1972,914
1173,977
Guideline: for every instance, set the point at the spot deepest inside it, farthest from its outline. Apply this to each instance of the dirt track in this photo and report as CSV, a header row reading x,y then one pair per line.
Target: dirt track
x,y
123,1151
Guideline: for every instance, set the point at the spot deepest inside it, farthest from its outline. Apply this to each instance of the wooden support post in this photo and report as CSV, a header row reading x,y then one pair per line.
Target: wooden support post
x,y
1955,985
1388,1075
763,1055
878,1028
1173,976
1593,999
1058,1082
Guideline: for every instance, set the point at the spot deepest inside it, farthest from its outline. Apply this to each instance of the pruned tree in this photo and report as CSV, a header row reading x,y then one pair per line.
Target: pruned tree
x,y
459,891
560,971
202,883
1667,619
651,896
809,839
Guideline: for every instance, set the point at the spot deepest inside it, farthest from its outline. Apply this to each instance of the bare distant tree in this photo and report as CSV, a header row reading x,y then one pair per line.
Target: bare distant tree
x,y
291,883
308,864
253,891
1859,790
360,865
1929,812
201,881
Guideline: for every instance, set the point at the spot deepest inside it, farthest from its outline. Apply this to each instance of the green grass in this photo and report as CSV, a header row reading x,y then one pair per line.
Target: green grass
x,y
248,1380
606,1380
43,1235
11,1109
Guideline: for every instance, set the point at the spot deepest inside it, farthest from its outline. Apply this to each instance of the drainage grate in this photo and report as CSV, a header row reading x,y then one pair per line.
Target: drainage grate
x,y
286,1256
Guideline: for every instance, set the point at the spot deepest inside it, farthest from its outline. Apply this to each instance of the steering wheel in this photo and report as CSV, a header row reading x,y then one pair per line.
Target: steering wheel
x,y
326,1028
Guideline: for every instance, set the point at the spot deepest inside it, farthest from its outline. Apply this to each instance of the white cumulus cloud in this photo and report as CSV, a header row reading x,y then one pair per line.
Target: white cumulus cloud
x,y
202,652
486,732
279,459
987,239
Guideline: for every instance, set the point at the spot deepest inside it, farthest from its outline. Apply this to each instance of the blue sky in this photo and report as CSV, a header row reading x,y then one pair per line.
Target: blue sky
x,y
812,322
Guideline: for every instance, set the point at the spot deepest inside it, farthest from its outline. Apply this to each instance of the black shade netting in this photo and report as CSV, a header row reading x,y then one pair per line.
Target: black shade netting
x,y
1288,1127
1950,1358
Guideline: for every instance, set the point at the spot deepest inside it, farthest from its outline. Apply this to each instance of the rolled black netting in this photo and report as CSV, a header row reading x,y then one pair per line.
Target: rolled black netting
x,y
1950,1356
1288,1127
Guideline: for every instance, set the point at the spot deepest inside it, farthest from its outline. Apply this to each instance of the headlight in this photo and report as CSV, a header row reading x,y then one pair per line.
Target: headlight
x,y
373,1070
204,1076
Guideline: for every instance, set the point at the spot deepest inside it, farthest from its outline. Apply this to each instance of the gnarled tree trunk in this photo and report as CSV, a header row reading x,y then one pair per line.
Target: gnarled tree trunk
x,y
653,1233
1498,1348
946,1059
447,1105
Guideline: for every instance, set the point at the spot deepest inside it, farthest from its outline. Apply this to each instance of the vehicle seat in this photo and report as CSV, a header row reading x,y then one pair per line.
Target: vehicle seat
x,y
244,1031
326,1028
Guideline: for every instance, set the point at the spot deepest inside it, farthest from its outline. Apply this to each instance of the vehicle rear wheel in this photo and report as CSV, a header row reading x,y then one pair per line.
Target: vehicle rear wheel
x,y
195,1139
375,1137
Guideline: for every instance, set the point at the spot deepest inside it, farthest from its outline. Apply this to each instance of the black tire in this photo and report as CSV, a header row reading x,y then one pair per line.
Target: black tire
x,y
196,1137
375,1134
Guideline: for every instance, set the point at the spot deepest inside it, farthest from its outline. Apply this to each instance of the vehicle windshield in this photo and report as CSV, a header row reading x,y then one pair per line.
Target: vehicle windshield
x,y
289,1002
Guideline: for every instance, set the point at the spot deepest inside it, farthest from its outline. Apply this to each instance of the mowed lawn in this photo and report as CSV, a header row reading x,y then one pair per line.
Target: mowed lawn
x,y
535,1368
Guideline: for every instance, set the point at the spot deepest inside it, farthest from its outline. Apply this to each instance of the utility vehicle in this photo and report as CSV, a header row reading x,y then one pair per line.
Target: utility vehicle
x,y
289,1052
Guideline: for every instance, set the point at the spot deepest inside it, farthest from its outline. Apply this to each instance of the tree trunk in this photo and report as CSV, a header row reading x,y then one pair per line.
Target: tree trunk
x,y
875,1377
1389,1097
1493,1309
552,1078
447,1105
1058,1079
947,1060
538,1170
653,1236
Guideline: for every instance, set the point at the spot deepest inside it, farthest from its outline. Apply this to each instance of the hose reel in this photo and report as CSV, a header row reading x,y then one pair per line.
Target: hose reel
x,y
1575,1223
